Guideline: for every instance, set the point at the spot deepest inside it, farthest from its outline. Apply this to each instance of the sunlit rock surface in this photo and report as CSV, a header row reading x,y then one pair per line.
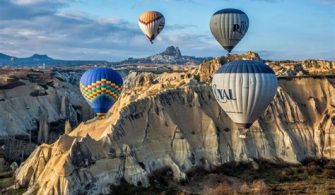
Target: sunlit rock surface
x,y
172,120
302,68
171,55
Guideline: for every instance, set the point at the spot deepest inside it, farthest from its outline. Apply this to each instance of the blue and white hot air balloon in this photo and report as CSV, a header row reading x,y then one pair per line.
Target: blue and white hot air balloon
x,y
229,26
101,87
244,89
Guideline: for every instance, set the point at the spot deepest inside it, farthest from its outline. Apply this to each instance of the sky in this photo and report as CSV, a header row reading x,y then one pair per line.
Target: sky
x,y
108,29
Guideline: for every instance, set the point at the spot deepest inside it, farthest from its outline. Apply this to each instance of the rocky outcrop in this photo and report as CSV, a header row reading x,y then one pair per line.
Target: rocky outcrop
x,y
302,68
34,103
173,120
246,56
209,67
172,51
171,55
67,128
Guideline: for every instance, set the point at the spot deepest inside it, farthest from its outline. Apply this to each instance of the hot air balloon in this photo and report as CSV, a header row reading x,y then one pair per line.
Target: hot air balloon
x,y
229,26
101,88
151,23
244,89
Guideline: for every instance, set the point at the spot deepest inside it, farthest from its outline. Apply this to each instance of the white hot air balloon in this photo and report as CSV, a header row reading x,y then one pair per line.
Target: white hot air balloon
x,y
151,23
244,89
229,26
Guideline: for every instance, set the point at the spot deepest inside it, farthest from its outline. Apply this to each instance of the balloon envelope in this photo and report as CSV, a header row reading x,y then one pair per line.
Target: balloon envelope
x,y
244,89
229,26
101,88
151,23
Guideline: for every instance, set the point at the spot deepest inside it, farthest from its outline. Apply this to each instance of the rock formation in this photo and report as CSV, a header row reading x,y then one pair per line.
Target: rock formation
x,y
302,68
43,127
171,55
172,120
67,127
172,51
33,101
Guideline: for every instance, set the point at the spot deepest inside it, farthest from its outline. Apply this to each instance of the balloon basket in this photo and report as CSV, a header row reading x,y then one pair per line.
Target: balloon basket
x,y
243,136
243,133
101,115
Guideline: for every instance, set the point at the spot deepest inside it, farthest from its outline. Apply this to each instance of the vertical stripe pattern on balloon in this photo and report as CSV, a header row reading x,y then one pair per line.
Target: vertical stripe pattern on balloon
x,y
228,27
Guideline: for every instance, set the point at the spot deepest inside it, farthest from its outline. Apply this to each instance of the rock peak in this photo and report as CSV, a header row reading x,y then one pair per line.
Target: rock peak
x,y
41,57
172,51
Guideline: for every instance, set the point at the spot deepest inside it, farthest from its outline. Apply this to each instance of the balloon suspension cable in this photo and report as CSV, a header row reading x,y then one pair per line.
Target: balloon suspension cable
x,y
243,132
227,57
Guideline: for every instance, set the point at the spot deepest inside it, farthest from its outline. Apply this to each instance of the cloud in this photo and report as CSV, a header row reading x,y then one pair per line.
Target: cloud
x,y
28,26
32,2
20,9
45,27
42,26
179,26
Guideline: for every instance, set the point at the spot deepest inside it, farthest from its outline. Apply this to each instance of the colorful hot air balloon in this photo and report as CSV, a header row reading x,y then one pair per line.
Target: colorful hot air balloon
x,y
101,88
151,23
229,26
244,89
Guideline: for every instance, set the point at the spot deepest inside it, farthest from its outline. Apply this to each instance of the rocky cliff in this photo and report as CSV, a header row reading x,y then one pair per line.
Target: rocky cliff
x,y
35,104
172,120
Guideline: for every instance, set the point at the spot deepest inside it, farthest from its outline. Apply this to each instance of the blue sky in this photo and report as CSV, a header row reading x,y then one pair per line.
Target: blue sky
x,y
108,30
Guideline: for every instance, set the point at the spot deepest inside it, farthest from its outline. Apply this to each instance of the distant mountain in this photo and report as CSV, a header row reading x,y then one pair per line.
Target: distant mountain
x,y
4,57
38,60
171,55
37,57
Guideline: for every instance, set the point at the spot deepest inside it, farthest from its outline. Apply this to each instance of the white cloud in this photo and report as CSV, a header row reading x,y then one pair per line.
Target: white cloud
x,y
42,26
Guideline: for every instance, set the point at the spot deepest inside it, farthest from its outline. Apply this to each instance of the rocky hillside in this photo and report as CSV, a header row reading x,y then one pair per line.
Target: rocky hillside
x,y
282,68
171,120
35,104
303,68
171,55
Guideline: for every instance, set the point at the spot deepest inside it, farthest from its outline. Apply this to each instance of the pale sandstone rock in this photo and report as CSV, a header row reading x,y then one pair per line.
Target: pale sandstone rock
x,y
24,102
170,120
